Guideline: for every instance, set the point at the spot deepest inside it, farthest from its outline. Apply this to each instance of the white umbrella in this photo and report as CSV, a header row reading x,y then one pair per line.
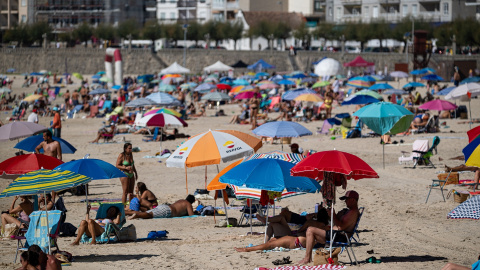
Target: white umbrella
x,y
399,74
328,67
462,91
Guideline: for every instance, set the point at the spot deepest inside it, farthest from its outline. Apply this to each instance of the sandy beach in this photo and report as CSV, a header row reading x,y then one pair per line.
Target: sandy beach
x,y
401,229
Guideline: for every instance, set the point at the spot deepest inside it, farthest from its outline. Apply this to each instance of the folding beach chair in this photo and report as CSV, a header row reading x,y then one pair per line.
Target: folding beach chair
x,y
38,233
424,157
418,145
110,229
152,138
93,111
350,236
71,114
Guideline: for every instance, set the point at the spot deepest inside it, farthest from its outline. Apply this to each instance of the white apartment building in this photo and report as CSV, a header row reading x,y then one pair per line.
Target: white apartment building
x,y
171,11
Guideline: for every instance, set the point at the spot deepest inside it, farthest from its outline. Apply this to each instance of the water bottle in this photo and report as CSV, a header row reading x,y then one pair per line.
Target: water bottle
x,y
316,207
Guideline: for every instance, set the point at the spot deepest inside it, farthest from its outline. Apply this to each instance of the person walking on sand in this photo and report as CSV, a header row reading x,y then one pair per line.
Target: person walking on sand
x,y
57,123
126,164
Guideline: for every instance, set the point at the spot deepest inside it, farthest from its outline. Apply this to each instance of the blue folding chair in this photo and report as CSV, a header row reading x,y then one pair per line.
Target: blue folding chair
x,y
73,112
111,230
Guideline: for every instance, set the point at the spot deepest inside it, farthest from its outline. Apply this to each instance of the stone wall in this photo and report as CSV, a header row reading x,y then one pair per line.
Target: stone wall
x,y
142,61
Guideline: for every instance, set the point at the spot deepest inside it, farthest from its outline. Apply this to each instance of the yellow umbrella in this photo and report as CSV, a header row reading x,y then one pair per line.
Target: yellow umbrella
x,y
77,75
308,98
32,98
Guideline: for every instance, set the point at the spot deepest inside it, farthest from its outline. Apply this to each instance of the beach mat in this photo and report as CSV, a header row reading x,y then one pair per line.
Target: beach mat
x,y
180,217
305,267
99,200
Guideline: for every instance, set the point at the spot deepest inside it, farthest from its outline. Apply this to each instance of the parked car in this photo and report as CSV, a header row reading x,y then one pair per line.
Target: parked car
x,y
351,49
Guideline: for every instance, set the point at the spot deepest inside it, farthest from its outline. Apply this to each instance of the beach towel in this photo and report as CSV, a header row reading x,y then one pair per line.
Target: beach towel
x,y
38,232
305,267
183,216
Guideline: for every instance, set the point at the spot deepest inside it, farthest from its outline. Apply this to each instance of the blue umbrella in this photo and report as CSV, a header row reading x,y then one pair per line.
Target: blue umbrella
x,y
241,82
298,76
268,174
422,71
29,144
279,129
380,86
360,99
285,82
99,91
413,84
205,87
470,80
116,87
334,121
262,74
101,73
96,77
292,94
161,98
94,168
36,74
260,64
432,77
11,70
395,92
445,91
308,80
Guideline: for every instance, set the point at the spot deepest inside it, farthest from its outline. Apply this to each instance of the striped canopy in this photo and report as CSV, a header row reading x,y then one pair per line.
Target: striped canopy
x,y
41,181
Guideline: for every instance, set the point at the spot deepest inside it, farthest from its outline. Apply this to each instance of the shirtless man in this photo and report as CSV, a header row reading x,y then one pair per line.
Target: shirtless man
x,y
50,147
344,221
179,209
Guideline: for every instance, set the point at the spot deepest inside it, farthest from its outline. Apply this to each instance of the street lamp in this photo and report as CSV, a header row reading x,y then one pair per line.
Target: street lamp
x,y
185,26
270,40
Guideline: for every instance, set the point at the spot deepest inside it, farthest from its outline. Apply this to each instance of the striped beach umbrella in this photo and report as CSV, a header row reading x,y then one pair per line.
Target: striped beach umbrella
x,y
43,180
472,153
163,110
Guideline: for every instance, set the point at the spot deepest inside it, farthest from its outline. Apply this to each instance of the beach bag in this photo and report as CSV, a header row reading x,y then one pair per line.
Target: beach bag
x,y
321,256
452,179
10,230
156,234
231,221
67,229
127,233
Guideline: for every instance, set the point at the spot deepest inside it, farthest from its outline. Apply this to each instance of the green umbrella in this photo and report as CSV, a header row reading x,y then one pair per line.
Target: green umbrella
x,y
369,93
320,84
105,79
77,75
166,88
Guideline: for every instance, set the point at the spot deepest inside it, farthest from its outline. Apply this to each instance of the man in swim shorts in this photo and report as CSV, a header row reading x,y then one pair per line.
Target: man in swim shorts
x,y
178,209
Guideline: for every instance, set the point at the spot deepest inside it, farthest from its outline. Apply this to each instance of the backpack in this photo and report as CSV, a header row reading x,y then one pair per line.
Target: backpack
x,y
59,205
354,133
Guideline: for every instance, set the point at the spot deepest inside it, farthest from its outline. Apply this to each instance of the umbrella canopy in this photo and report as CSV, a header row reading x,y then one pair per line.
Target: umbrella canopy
x,y
95,169
248,95
5,90
163,110
260,64
268,174
432,77
205,87
438,105
215,184
285,82
101,73
399,74
105,79
216,96
237,89
268,86
140,102
239,64
380,86
99,91
29,144
240,82
320,84
361,81
223,86
395,92
19,129
166,88
328,67
473,134
292,94
161,120
359,62
369,93
469,209
359,99
213,147
41,181
472,153
333,161
470,80
161,98
26,163
218,66
280,129
77,75
175,68
385,117
422,71
308,98
462,90
308,80
446,91
32,98
413,84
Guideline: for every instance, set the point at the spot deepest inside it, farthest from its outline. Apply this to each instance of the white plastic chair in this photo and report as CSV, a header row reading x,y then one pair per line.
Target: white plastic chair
x,y
418,145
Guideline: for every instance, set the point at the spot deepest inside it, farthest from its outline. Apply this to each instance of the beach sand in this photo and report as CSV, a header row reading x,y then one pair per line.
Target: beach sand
x,y
401,229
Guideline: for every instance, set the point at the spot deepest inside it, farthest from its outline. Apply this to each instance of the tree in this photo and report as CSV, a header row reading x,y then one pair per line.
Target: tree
x,y
20,34
264,29
128,29
379,29
195,32
234,31
105,32
324,30
282,31
173,32
443,34
68,38
152,31
37,30
83,33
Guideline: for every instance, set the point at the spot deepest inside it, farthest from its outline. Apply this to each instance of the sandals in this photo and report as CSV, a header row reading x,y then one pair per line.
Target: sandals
x,y
373,260
285,260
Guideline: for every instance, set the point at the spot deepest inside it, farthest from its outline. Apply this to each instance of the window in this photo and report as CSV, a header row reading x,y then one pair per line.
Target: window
x,y
162,15
414,10
392,10
24,3
24,18
355,11
445,8
330,12
375,12
366,11
317,6
339,12
404,11
172,15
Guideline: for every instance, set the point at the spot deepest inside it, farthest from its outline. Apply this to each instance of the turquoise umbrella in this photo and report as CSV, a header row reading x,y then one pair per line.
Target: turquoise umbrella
x,y
385,118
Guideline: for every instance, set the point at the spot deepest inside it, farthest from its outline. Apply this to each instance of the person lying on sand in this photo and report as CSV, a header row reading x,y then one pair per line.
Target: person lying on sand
x,y
178,209
94,228
290,242
453,266
463,167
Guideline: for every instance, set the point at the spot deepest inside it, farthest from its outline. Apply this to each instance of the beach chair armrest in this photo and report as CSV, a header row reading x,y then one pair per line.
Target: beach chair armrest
x,y
17,237
420,152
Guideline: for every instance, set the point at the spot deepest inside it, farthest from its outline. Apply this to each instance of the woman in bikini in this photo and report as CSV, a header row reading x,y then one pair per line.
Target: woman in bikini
x,y
24,209
290,242
254,104
93,228
126,164
147,199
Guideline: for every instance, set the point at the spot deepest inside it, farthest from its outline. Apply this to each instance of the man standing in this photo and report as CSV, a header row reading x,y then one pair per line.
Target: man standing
x,y
50,147
33,117
57,123
345,220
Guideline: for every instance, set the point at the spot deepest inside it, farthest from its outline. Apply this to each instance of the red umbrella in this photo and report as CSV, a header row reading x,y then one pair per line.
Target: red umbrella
x,y
27,163
473,134
223,86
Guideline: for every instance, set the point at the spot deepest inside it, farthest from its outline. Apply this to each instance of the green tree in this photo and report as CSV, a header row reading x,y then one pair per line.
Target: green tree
x,y
379,29
128,28
83,33
37,30
282,31
68,38
464,30
234,31
264,29
19,34
105,31
195,32
325,30
173,32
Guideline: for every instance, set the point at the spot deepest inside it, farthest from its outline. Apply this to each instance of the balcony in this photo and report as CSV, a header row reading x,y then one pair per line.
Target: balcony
x,y
351,2
221,6
387,2
429,1
186,4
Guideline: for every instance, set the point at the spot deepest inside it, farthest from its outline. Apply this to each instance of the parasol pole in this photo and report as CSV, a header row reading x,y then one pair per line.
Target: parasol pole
x,y
186,180
383,148
470,110
205,176
224,206
331,230
251,222
48,228
266,223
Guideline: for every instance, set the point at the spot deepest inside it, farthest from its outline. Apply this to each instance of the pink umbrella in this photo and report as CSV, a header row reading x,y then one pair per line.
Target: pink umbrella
x,y
268,86
438,105
247,95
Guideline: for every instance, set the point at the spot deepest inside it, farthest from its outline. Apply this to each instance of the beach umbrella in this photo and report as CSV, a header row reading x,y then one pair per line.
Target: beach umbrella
x,y
281,129
385,118
161,98
308,80
161,120
470,90
96,77
26,163
359,100
469,209
285,82
29,144
399,74
320,84
223,86
328,67
265,82
380,86
32,98
77,75
268,86
5,90
473,134
308,98
472,153
101,73
438,105
361,81
432,77
140,102
248,95
333,168
166,88
395,92
186,86
241,82
216,96
292,94
99,91
116,87
422,71
369,93
470,80
163,110
298,76
204,87
105,79
237,89
11,70
413,84
19,129
445,91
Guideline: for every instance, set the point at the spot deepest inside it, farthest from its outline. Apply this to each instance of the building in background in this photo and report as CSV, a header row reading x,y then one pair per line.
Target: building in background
x,y
13,12
183,11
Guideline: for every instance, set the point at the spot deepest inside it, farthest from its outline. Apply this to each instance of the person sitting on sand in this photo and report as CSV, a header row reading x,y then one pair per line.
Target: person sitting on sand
x,y
24,209
178,209
420,120
345,220
172,136
104,132
94,228
454,266
146,198
463,167
48,202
